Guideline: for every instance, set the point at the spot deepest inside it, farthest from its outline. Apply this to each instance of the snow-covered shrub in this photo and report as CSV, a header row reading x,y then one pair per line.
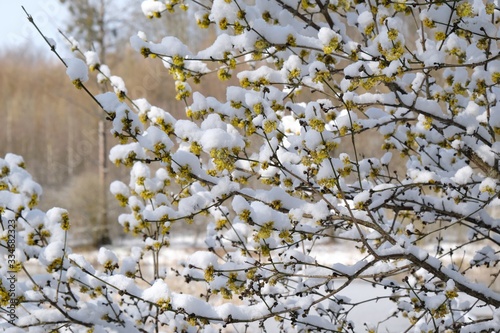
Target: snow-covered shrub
x,y
316,78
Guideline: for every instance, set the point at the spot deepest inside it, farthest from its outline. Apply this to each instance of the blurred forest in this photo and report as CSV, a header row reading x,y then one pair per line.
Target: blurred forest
x,y
55,126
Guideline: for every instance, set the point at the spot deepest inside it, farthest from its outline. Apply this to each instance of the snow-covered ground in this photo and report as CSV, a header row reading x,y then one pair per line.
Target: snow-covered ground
x,y
357,291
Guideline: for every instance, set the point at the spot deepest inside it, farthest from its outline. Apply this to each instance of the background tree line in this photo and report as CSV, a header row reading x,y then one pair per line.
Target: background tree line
x,y
57,128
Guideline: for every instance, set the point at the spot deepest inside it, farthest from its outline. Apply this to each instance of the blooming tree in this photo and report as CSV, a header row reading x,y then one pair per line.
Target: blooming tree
x,y
369,126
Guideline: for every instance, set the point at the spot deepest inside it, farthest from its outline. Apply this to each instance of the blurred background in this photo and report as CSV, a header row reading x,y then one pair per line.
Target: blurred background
x,y
57,128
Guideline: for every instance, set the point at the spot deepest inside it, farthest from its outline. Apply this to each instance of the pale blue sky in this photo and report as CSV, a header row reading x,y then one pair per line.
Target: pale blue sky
x,y
17,32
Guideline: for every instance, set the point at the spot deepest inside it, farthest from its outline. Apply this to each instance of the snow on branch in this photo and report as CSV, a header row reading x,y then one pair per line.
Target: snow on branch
x,y
355,146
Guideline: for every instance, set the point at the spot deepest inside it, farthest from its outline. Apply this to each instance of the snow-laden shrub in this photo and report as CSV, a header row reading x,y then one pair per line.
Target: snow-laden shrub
x,y
317,81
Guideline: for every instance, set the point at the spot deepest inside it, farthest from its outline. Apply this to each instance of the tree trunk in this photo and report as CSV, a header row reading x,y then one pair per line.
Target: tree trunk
x,y
103,229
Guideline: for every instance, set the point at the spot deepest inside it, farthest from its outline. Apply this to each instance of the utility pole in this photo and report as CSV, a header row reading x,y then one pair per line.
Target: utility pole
x,y
90,25
104,237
